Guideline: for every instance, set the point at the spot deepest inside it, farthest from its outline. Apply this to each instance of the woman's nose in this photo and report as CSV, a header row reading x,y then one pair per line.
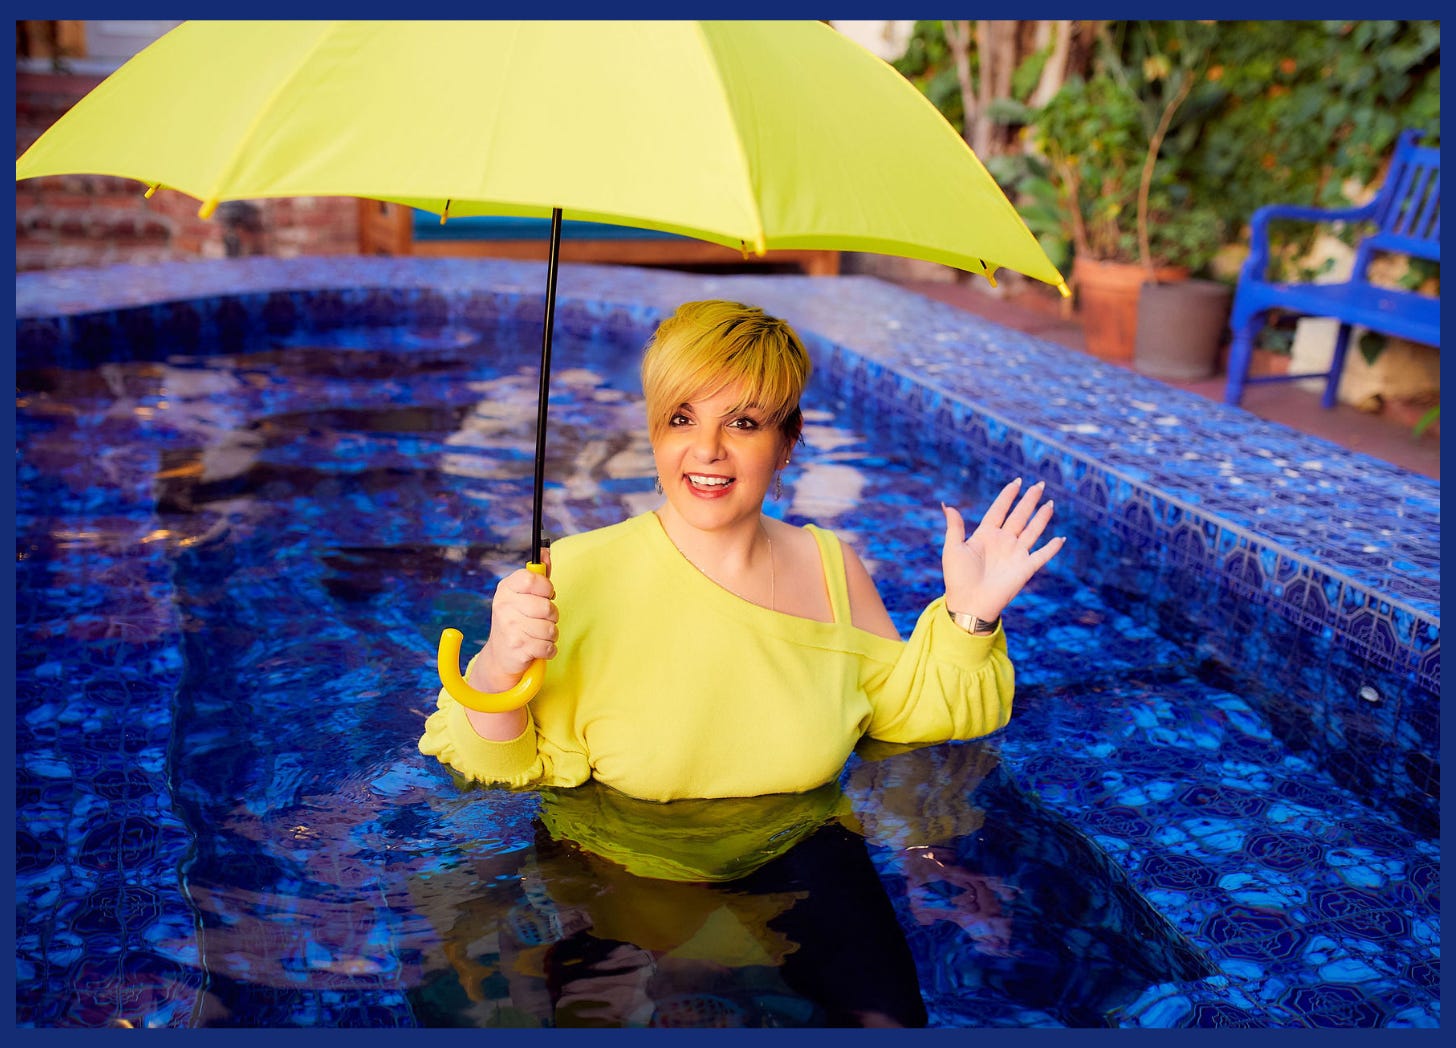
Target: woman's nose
x,y
709,444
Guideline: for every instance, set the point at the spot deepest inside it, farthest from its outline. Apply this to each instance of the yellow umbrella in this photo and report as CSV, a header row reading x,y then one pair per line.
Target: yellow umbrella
x,y
755,135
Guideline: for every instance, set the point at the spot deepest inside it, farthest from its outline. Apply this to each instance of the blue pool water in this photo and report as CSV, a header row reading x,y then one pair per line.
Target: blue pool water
x,y
242,521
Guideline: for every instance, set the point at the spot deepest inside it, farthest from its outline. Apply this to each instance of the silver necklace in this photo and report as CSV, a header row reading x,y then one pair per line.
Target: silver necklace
x,y
772,575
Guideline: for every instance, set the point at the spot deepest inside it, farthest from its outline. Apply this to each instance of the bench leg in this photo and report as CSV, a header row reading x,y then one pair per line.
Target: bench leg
x,y
1241,349
1337,368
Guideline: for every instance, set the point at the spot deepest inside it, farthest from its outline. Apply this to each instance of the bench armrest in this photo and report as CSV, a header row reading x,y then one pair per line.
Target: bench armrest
x,y
1257,264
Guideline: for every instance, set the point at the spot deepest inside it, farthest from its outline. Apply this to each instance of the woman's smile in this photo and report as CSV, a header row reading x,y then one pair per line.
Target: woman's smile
x,y
709,486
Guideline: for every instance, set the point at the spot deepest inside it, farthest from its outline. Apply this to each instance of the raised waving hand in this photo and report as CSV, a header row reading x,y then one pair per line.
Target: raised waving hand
x,y
985,570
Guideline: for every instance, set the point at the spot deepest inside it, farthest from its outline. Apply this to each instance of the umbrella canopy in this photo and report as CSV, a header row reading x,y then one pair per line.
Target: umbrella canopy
x,y
753,135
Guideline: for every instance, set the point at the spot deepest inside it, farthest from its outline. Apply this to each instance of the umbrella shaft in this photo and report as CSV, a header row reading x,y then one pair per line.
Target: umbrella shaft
x,y
544,396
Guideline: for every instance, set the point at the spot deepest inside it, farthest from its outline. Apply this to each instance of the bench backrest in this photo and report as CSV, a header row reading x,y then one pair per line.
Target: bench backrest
x,y
1408,206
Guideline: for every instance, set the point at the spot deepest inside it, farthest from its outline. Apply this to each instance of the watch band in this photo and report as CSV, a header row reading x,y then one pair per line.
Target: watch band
x,y
973,625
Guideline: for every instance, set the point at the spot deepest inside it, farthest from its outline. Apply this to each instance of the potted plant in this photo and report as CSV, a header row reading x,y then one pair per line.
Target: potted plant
x,y
1118,205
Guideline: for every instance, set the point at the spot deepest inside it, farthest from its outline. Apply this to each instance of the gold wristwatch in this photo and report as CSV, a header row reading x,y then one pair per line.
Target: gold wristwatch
x,y
973,625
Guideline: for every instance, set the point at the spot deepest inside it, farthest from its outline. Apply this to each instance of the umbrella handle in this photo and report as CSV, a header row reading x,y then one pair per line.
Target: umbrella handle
x,y
486,701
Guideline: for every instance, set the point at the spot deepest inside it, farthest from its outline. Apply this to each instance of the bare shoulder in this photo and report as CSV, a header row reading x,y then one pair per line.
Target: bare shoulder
x,y
799,544
866,607
857,574
795,545
852,561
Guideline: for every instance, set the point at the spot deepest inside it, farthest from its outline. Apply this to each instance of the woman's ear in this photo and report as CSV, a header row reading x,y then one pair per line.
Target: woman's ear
x,y
793,431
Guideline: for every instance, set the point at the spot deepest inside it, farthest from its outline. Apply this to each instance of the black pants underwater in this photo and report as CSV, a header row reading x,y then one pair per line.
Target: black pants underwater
x,y
850,961
1020,909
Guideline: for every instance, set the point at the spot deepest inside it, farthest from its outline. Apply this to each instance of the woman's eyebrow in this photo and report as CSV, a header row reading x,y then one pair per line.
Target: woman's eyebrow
x,y
733,412
743,409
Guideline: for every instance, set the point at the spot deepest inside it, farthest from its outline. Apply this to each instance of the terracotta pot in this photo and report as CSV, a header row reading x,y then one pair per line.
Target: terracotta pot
x,y
1180,329
1261,362
1107,302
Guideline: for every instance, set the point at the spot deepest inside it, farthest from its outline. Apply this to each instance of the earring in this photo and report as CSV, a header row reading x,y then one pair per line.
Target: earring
x,y
778,486
657,483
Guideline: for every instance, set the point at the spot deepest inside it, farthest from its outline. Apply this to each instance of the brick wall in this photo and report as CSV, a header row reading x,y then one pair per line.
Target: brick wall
x,y
91,220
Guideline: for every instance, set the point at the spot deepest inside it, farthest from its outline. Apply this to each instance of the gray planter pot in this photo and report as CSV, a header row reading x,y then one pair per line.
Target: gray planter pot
x,y
1181,328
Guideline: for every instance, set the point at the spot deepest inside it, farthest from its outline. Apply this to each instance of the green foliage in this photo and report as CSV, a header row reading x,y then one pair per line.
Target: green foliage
x,y
1313,109
1313,114
1024,79
1277,336
1155,61
1090,134
929,64
1095,136
1301,112
1370,344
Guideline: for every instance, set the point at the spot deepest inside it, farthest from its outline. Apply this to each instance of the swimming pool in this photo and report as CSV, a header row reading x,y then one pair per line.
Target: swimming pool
x,y
240,536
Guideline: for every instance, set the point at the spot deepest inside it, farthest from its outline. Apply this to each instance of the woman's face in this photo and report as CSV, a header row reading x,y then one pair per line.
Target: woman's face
x,y
715,463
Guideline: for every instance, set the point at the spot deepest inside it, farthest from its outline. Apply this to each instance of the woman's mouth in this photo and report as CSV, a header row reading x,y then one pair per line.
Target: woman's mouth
x,y
708,485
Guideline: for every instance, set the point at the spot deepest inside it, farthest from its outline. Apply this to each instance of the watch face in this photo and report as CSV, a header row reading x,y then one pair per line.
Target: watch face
x,y
972,624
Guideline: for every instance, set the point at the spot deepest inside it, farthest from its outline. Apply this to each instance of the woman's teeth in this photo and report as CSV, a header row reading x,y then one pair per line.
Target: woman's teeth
x,y
709,482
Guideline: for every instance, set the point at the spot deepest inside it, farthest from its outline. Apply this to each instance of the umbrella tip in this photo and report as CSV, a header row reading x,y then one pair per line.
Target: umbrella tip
x,y
207,208
1066,291
151,189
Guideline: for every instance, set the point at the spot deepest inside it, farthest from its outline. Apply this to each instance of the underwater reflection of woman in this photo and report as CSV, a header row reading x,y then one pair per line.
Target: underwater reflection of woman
x,y
780,917
843,951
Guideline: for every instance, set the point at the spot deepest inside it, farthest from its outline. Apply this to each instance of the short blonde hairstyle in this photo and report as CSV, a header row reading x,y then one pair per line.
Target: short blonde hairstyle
x,y
705,346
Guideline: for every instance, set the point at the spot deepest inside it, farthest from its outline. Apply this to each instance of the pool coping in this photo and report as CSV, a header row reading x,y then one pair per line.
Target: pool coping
x,y
1211,487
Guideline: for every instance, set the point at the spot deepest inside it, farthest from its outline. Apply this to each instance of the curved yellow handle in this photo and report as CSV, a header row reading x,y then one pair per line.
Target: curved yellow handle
x,y
485,701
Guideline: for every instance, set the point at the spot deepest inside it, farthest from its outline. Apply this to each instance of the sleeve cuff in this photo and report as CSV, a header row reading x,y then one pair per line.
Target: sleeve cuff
x,y
450,737
969,649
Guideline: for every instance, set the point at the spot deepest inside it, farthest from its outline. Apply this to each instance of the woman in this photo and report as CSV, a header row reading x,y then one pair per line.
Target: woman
x,y
706,650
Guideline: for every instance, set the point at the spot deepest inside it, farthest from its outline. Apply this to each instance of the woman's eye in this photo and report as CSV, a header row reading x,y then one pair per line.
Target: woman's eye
x,y
744,422
678,419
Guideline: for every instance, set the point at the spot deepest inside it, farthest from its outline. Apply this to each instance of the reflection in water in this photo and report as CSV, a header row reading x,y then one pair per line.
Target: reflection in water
x,y
815,910
761,911
1006,902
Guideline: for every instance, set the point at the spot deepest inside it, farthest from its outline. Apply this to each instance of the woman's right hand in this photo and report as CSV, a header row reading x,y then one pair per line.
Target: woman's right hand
x,y
522,629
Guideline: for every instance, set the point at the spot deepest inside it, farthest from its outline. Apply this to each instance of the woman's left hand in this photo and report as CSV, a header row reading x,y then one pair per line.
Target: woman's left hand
x,y
983,572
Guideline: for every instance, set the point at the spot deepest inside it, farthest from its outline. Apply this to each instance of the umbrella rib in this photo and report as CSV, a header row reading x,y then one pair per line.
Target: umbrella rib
x,y
210,202
760,245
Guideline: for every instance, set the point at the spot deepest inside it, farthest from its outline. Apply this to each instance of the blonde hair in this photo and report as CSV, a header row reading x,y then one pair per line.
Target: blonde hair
x,y
705,346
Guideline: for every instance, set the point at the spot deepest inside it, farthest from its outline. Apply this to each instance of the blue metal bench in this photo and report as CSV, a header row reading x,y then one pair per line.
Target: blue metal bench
x,y
1406,214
